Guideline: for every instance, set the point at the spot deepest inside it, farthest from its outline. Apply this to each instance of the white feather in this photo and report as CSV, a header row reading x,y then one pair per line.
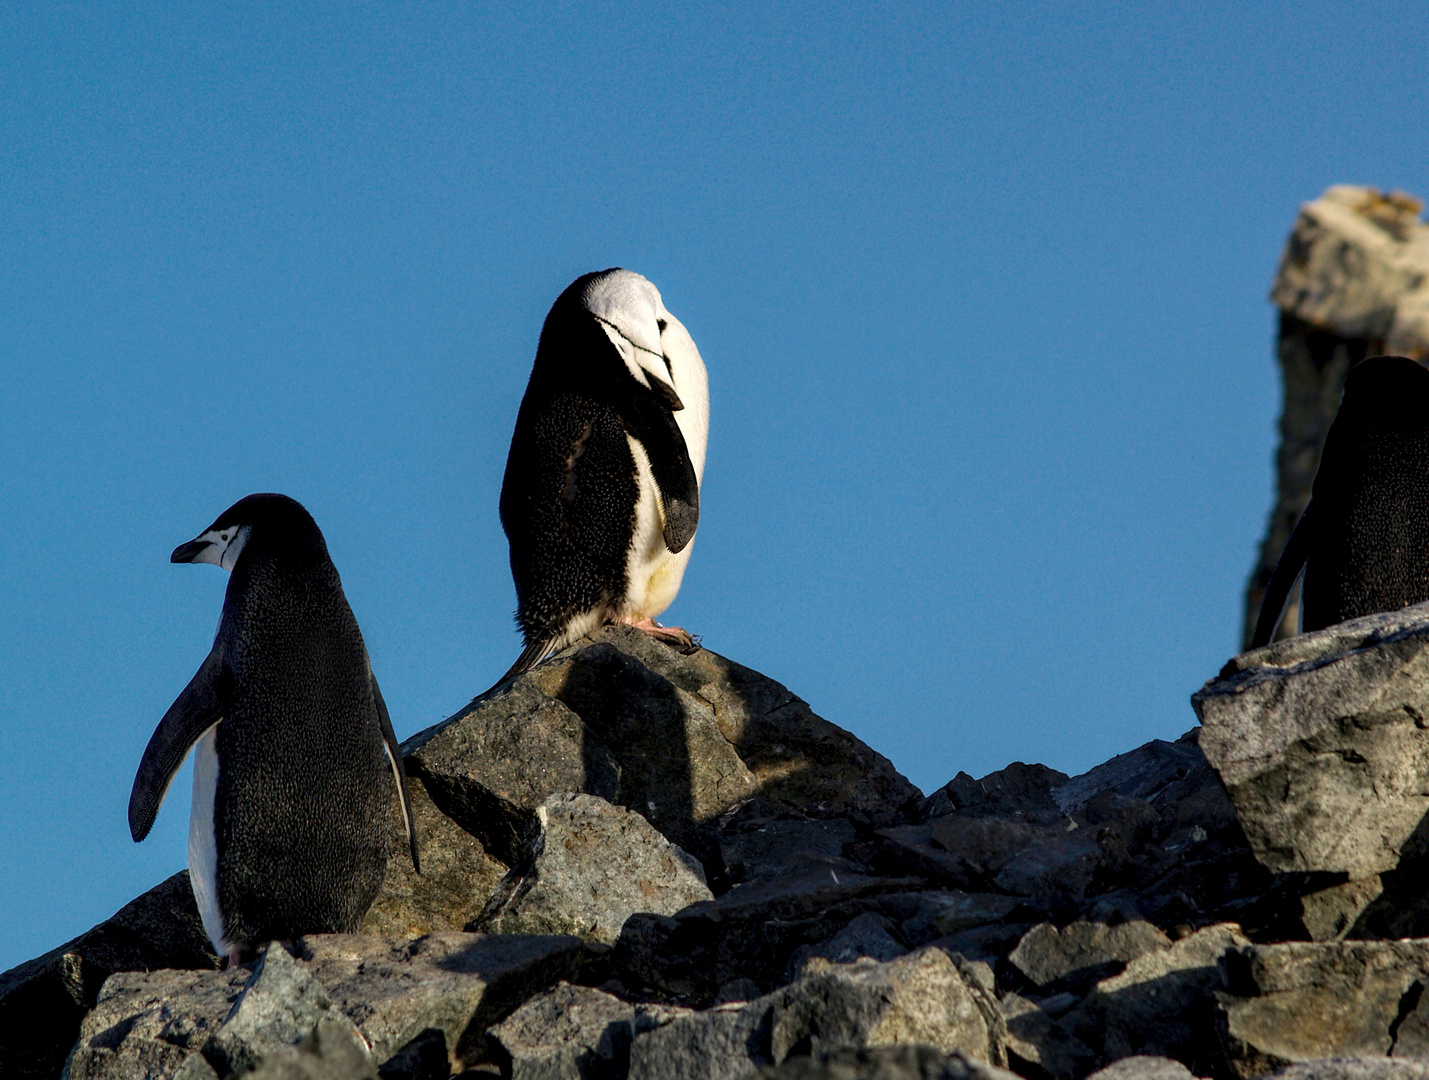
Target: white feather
x,y
203,846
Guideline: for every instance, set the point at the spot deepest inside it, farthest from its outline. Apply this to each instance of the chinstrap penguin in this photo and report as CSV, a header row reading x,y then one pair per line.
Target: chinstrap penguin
x,y
1363,540
601,495
296,760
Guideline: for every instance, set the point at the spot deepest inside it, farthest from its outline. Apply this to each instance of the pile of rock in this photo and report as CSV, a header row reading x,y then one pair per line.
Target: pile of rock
x,y
645,864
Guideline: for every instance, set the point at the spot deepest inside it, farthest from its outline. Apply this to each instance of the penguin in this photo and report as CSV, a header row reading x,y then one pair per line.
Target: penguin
x,y
296,758
1363,540
601,496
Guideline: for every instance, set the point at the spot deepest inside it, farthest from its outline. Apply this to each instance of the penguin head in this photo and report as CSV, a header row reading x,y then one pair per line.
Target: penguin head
x,y
629,309
272,521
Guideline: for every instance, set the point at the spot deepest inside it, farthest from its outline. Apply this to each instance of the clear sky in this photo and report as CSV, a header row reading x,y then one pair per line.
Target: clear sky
x,y
981,289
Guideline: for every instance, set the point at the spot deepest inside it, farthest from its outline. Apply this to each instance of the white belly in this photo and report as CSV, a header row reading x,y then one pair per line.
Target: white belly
x,y
203,849
652,574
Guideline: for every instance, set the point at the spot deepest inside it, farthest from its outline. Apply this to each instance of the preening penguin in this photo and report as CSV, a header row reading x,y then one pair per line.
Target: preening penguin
x,y
601,496
296,758
1363,540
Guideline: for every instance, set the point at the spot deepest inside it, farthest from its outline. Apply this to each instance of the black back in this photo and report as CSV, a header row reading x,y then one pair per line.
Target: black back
x,y
1364,539
569,495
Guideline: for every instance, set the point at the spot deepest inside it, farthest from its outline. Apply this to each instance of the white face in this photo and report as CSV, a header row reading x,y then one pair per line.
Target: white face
x,y
223,546
629,310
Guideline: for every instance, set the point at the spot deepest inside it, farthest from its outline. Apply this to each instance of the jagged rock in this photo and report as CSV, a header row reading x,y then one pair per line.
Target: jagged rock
x,y
457,878
1018,792
1330,913
1322,743
885,1063
727,1042
574,1033
939,913
1164,1003
331,1051
280,1005
594,866
750,932
1083,950
1150,772
919,998
1301,1001
1144,1067
1347,289
867,935
151,1025
760,848
680,739
1366,1068
1036,1042
455,983
43,1000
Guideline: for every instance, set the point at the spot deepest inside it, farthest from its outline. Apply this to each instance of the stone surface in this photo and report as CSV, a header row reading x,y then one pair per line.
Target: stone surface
x,y
1083,949
574,1033
43,1001
1350,285
1164,1003
1036,1043
147,1025
1301,1001
1323,745
760,848
455,983
1365,1068
1019,792
724,1043
280,1006
885,1063
869,934
1144,1067
457,878
331,1051
594,866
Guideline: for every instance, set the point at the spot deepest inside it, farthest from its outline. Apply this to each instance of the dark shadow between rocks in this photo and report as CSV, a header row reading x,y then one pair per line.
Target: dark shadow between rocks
x,y
1402,909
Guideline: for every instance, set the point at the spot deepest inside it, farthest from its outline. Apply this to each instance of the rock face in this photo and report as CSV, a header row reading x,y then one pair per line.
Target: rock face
x,y
1353,282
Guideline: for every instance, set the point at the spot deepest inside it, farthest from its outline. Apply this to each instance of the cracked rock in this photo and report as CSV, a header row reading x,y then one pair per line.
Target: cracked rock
x,y
594,866
1083,950
1035,1040
885,1063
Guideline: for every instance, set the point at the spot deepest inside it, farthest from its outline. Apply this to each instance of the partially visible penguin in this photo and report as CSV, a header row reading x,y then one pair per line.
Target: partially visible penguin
x,y
602,489
1363,540
296,762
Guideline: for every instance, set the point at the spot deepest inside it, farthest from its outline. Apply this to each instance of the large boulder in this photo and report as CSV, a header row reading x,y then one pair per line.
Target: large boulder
x,y
681,739
593,867
1322,742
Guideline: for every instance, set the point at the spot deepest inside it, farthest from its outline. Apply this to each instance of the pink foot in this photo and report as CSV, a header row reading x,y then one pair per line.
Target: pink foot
x,y
672,635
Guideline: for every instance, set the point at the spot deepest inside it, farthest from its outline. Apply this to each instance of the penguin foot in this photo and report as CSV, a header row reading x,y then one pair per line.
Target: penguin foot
x,y
670,635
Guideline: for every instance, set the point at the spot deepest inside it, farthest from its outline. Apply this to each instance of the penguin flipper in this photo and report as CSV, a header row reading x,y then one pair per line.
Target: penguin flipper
x,y
201,704
1277,593
653,424
399,774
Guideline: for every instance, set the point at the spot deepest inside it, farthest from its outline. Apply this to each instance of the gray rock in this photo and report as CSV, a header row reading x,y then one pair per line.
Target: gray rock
x,y
1364,1068
1321,741
574,1033
942,912
457,878
1330,913
1149,773
148,1025
1046,954
1144,1067
680,739
1019,792
43,1000
920,998
728,1042
1164,1003
455,983
764,848
885,1063
280,1006
1302,1001
867,935
331,1051
594,866
1035,1041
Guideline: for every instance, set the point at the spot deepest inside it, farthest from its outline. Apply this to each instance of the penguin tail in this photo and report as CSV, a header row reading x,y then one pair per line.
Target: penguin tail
x,y
534,652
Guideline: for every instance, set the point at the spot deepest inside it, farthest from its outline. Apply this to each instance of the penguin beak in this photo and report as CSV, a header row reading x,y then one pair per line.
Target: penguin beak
x,y
190,551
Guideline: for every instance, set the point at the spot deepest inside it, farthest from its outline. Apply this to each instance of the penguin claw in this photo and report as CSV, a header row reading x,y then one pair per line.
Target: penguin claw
x,y
672,635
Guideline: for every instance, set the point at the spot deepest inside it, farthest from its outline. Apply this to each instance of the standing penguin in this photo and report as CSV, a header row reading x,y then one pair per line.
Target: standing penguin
x,y
1363,540
602,490
296,756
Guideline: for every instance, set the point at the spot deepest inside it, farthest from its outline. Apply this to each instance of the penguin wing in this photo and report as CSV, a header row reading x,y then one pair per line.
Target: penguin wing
x,y
649,419
1292,561
203,703
399,774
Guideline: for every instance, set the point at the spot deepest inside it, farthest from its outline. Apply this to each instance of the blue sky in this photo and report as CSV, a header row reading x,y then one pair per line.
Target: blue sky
x,y
981,290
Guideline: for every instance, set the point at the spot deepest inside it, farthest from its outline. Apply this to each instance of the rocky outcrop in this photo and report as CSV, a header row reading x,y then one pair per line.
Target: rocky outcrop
x,y
1353,282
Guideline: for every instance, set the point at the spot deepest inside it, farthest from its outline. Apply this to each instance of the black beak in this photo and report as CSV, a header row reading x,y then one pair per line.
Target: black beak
x,y
186,552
